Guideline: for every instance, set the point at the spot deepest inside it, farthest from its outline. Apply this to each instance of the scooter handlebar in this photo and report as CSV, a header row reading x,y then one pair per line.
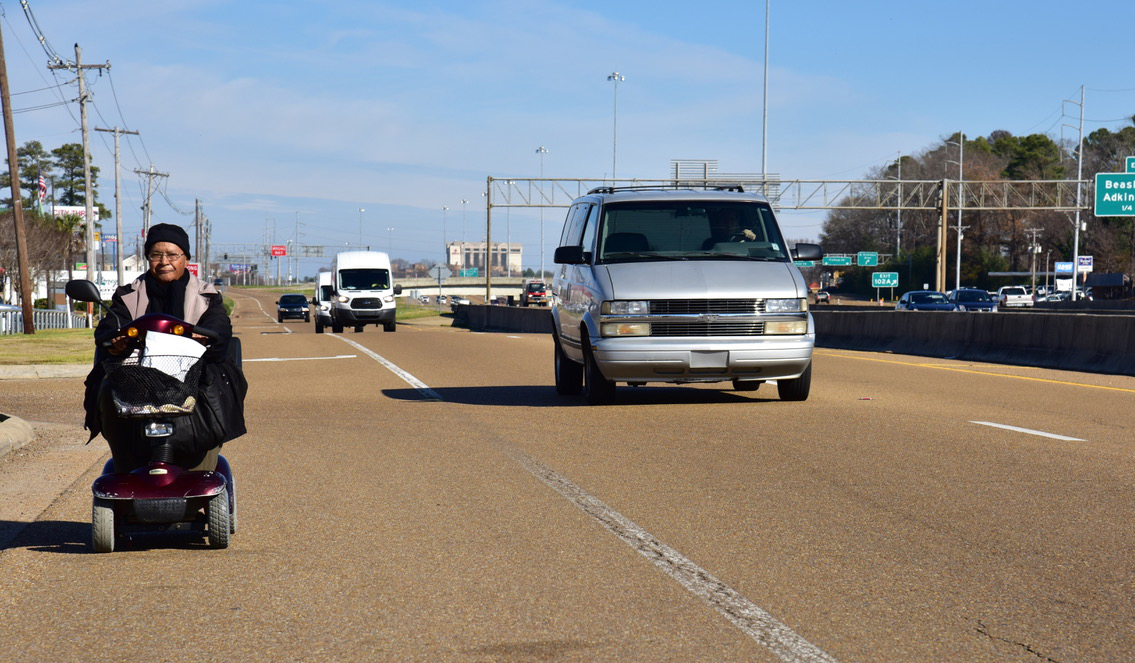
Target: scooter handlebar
x,y
207,333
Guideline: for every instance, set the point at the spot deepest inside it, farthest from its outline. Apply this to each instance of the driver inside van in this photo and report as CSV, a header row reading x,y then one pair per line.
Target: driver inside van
x,y
725,226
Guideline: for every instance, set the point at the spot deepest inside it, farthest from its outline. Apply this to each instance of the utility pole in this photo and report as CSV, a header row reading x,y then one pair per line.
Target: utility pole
x,y
118,205
89,219
17,209
151,174
1034,249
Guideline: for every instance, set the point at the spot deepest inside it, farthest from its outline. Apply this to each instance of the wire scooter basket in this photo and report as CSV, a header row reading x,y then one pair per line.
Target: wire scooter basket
x,y
153,385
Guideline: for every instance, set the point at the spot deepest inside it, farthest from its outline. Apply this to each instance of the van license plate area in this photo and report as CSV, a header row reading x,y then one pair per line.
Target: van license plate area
x,y
709,359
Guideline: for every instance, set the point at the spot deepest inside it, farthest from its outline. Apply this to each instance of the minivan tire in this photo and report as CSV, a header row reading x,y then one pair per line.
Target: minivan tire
x,y
569,375
796,389
600,390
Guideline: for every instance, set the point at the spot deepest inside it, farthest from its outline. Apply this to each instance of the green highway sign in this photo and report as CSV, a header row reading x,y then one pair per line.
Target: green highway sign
x,y
837,260
1131,164
1115,194
867,259
885,280
805,263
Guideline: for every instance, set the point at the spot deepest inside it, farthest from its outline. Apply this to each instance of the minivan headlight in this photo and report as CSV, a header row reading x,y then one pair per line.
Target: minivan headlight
x,y
786,305
630,307
342,299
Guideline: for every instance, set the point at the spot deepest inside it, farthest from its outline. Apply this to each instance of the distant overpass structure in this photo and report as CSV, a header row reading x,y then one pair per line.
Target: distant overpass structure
x,y
943,196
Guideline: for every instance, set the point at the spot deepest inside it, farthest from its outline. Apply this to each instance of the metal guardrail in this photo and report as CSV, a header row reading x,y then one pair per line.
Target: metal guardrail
x,y
12,322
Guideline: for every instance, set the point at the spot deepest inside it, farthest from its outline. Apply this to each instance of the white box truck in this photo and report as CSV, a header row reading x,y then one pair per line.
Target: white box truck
x,y
362,291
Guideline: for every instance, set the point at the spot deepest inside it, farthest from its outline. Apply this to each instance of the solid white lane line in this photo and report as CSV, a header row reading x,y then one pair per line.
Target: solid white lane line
x,y
409,379
1029,431
301,358
754,621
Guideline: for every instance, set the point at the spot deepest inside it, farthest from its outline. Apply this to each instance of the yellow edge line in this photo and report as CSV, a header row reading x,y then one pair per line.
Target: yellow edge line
x,y
966,370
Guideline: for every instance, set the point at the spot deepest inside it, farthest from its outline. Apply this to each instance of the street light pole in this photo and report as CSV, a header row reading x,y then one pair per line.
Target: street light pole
x,y
463,204
764,120
617,78
361,210
444,246
541,151
961,143
961,204
389,240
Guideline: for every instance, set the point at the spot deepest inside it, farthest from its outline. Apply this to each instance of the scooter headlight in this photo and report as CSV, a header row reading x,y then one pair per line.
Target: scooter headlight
x,y
158,429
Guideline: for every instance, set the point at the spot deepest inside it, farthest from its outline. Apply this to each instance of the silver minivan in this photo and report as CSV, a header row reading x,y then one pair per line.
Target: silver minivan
x,y
679,286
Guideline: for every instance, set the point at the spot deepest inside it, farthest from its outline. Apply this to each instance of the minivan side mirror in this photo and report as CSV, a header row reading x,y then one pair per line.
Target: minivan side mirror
x,y
569,255
804,251
398,289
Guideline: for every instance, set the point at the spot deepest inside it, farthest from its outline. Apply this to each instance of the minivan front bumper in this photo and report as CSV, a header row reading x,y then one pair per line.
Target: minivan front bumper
x,y
689,359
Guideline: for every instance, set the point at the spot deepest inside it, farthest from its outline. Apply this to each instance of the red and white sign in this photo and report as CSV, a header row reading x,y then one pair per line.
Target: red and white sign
x,y
279,250
194,268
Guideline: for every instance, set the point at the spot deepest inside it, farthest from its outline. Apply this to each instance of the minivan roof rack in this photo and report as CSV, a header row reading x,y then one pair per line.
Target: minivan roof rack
x,y
668,187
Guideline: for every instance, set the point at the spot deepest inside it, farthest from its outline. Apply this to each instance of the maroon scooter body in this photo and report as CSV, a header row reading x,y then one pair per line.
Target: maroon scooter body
x,y
158,481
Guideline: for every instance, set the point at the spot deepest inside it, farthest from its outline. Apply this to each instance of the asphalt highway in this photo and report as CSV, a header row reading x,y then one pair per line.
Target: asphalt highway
x,y
425,495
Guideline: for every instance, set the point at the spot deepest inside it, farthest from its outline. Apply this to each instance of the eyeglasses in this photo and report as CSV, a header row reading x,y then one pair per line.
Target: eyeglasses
x,y
169,257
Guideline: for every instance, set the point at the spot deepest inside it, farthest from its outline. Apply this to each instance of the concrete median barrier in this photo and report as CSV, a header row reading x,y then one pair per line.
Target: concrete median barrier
x,y
1077,342
1066,341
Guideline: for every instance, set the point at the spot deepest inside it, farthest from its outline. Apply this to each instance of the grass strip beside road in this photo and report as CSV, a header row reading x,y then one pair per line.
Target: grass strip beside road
x,y
48,346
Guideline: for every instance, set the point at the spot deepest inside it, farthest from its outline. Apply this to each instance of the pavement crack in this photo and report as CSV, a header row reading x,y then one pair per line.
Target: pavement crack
x,y
984,630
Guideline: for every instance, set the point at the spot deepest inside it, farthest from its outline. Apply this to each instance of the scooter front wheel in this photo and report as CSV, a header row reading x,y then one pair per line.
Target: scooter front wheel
x,y
220,531
102,525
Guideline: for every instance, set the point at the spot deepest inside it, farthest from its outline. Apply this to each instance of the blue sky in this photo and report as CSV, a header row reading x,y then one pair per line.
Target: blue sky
x,y
285,118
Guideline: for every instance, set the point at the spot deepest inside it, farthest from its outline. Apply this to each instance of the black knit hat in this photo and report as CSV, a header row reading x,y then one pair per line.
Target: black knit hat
x,y
167,232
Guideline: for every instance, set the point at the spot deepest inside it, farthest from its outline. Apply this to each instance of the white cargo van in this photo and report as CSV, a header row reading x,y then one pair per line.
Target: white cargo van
x,y
321,302
361,291
679,286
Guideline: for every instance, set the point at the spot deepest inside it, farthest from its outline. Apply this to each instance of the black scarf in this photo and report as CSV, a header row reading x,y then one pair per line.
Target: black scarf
x,y
168,298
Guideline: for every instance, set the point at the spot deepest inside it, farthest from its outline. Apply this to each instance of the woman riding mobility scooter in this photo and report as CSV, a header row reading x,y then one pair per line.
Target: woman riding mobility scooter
x,y
166,391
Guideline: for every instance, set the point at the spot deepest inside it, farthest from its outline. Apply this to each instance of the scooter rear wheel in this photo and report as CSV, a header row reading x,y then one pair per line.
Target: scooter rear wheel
x,y
220,531
102,525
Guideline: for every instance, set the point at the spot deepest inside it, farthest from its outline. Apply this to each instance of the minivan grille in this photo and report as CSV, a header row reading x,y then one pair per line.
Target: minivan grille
x,y
366,302
707,328
698,306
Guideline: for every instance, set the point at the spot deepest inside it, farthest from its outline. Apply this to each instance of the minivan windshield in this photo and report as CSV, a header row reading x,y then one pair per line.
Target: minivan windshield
x,y
364,279
689,230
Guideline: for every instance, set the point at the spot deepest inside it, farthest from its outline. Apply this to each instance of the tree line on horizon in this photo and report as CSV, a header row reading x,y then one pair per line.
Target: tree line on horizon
x,y
992,241
52,241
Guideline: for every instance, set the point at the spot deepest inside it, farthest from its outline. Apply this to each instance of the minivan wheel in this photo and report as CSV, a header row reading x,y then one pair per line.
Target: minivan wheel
x,y
569,375
600,390
795,389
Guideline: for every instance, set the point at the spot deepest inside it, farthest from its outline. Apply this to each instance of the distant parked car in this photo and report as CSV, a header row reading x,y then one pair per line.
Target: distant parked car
x,y
292,306
972,299
823,297
924,300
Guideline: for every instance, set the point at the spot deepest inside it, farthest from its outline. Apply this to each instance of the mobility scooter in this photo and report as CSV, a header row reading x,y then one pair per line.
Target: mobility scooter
x,y
154,387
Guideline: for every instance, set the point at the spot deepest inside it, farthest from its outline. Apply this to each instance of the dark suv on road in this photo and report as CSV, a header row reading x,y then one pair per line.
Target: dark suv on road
x,y
292,306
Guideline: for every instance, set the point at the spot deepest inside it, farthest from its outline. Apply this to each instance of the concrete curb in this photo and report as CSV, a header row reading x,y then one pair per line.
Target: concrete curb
x,y
14,433
44,371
